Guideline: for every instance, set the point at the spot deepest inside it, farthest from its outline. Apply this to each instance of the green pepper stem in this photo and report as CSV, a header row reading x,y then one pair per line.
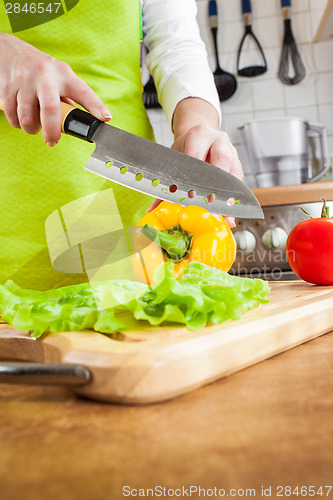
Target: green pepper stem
x,y
176,246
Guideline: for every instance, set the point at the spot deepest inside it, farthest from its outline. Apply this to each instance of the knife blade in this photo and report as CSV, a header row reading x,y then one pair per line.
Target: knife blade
x,y
159,171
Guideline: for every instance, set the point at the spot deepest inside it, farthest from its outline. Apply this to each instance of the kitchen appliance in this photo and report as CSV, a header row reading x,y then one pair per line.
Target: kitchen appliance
x,y
291,68
261,245
158,171
226,83
284,150
254,70
152,364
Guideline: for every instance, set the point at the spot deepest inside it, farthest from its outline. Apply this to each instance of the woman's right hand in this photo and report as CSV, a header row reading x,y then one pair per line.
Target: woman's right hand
x,y
32,84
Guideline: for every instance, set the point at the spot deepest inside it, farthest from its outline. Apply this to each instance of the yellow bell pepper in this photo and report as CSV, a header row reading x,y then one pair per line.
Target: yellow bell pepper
x,y
184,234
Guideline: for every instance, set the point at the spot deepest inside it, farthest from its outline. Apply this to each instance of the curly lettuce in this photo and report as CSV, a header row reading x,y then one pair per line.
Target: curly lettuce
x,y
202,295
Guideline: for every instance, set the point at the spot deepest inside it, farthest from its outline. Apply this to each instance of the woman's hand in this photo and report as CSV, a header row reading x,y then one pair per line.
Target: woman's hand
x,y
210,145
32,84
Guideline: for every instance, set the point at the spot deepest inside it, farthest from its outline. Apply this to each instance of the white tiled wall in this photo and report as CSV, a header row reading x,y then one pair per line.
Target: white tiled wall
x,y
265,95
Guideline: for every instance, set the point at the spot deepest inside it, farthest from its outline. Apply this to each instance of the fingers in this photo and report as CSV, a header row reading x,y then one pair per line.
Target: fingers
x,y
212,146
32,86
230,221
50,113
9,102
197,142
224,155
80,92
28,111
154,205
237,169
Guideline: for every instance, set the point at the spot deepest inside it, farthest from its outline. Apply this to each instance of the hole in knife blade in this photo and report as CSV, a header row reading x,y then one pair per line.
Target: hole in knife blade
x,y
211,198
123,170
155,182
173,188
231,201
191,193
108,164
139,177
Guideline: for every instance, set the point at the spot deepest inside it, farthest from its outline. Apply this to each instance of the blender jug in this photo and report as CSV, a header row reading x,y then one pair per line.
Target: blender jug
x,y
285,150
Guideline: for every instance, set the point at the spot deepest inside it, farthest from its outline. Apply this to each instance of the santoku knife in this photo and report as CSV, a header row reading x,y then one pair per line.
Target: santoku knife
x,y
159,171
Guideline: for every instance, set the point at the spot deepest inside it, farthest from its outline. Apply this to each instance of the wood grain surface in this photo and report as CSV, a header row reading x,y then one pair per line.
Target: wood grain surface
x,y
268,425
295,194
157,364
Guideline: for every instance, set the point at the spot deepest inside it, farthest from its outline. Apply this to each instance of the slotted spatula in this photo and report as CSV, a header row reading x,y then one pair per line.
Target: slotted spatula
x,y
254,70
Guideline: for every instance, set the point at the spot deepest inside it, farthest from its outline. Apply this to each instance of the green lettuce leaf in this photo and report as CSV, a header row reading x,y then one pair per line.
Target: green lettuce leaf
x,y
200,296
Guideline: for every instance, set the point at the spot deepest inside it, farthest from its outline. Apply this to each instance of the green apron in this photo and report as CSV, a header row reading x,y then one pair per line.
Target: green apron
x,y
100,40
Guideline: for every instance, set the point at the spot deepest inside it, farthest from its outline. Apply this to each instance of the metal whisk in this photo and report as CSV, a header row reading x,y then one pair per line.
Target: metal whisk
x,y
291,69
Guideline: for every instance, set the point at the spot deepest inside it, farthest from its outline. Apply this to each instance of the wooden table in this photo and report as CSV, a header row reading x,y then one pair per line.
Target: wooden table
x,y
268,425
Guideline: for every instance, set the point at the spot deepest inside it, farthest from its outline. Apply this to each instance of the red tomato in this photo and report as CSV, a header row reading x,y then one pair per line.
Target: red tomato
x,y
310,250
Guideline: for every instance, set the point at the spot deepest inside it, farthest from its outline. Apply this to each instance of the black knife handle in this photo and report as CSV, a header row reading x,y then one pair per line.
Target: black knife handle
x,y
80,124
76,122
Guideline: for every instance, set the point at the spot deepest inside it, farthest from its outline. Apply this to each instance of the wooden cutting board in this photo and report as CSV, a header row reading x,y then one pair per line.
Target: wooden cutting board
x,y
156,364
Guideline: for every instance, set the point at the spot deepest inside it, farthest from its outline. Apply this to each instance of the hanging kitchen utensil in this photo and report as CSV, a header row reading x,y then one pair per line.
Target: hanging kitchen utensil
x,y
291,69
150,97
225,82
250,71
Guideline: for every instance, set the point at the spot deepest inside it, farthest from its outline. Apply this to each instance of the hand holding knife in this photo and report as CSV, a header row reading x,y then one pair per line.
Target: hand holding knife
x,y
156,170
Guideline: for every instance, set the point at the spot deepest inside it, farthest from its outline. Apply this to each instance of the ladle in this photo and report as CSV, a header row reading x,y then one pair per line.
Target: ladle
x,y
225,82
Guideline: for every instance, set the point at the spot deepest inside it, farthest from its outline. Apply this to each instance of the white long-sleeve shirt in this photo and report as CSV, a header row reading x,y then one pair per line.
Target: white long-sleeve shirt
x,y
177,56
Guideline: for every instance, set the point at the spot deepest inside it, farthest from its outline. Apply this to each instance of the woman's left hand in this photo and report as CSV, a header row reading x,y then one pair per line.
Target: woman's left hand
x,y
210,145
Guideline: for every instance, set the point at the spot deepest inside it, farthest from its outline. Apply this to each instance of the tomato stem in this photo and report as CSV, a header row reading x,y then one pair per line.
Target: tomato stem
x,y
325,212
306,213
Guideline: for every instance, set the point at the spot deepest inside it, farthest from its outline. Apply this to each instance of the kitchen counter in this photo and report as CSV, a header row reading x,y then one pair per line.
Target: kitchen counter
x,y
268,425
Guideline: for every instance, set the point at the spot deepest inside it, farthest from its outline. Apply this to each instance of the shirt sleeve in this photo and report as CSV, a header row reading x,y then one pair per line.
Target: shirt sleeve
x,y
177,56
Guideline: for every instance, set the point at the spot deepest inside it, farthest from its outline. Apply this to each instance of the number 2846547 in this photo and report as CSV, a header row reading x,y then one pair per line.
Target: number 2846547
x,y
33,8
